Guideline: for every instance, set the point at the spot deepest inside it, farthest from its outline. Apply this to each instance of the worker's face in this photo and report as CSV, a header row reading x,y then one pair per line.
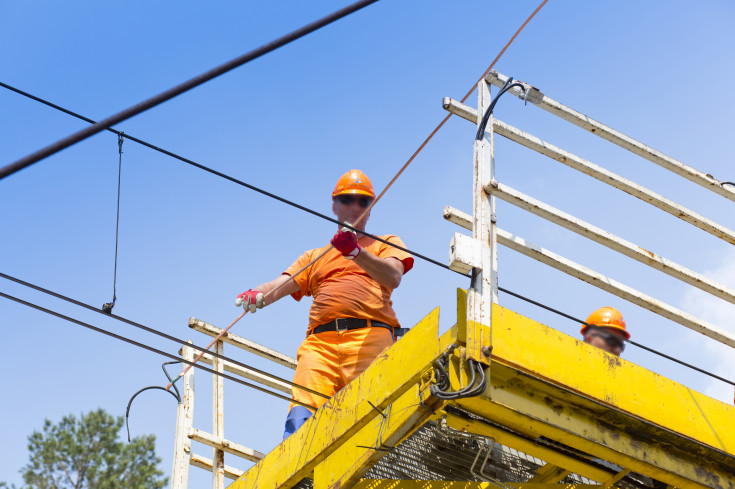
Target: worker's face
x,y
606,339
349,208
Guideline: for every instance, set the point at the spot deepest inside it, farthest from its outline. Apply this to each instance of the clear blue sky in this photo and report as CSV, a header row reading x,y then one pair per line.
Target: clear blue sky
x,y
362,93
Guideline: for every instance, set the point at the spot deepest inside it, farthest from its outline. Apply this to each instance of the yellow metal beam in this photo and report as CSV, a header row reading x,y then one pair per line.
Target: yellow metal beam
x,y
392,374
550,354
570,392
614,479
415,484
550,473
352,460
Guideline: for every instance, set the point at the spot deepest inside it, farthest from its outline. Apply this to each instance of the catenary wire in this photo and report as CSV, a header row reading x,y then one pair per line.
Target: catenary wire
x,y
179,89
315,213
392,181
413,156
577,320
222,175
149,348
395,177
156,332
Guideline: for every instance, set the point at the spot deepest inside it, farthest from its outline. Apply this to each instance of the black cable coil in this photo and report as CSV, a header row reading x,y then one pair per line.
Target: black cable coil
x,y
475,386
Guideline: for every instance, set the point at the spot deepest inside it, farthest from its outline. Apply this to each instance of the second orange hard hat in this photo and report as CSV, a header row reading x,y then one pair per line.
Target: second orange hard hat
x,y
354,182
607,317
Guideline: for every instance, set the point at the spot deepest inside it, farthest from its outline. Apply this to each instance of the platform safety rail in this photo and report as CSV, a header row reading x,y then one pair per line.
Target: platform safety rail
x,y
466,253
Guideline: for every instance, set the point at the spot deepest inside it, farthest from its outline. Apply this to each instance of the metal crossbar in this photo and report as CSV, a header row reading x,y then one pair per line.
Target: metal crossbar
x,y
185,431
605,132
466,253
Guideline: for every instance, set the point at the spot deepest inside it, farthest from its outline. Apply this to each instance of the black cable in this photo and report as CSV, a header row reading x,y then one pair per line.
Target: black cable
x,y
170,380
577,320
486,117
544,306
127,411
152,349
179,89
315,213
232,179
727,183
473,388
158,333
107,307
177,395
680,362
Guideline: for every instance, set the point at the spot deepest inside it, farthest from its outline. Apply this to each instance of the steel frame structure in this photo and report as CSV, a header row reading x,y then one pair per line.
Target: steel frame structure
x,y
577,408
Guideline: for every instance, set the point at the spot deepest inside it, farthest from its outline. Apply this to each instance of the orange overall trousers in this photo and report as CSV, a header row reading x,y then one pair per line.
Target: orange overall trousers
x,y
330,360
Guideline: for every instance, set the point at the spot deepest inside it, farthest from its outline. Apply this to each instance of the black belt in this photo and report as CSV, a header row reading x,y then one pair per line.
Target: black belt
x,y
347,324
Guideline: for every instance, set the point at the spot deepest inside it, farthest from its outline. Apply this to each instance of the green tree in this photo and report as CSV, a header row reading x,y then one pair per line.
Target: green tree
x,y
86,453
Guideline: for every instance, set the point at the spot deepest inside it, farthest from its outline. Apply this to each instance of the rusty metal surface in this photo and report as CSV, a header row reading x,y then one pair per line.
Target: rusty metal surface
x,y
616,137
430,454
243,343
612,286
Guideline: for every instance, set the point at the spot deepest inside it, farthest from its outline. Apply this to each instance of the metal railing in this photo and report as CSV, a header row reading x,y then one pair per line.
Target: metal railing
x,y
465,251
185,431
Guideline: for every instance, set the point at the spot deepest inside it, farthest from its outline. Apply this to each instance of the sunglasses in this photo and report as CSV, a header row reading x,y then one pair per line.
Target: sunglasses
x,y
612,340
349,199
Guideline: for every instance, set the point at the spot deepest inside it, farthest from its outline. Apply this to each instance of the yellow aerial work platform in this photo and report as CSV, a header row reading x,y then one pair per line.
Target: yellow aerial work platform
x,y
500,400
555,411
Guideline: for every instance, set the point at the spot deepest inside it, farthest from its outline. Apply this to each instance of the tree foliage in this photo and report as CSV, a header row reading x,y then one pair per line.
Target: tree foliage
x,y
85,453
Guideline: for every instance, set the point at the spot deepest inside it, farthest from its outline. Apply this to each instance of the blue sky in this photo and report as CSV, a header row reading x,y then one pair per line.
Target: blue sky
x,y
362,93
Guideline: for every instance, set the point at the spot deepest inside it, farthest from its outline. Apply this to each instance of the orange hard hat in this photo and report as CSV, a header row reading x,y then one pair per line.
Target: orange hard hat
x,y
354,182
607,317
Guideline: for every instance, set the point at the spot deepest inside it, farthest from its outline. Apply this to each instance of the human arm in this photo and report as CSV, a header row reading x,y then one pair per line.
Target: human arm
x,y
272,291
386,271
278,288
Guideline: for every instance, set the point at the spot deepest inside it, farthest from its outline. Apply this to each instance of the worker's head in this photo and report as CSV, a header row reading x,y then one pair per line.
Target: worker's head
x,y
605,329
351,197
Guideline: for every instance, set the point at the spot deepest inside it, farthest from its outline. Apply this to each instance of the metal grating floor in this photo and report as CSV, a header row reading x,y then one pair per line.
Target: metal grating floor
x,y
431,453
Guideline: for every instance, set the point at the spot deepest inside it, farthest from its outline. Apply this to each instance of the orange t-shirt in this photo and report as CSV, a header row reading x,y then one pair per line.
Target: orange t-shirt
x,y
341,289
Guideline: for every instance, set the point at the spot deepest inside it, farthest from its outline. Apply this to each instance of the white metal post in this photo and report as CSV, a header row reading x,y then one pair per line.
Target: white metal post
x,y
184,424
218,425
484,290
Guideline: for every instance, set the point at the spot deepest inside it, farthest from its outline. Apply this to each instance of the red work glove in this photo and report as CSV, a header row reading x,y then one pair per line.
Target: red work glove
x,y
250,300
346,243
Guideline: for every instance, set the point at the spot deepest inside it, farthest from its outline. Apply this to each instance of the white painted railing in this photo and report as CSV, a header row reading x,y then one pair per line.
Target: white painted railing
x,y
465,252
185,431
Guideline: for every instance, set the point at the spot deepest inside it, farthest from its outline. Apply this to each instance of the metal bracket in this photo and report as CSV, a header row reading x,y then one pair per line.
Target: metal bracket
x,y
465,253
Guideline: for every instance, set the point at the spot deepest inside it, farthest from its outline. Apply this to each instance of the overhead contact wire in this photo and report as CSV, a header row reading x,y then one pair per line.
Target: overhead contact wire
x,y
310,211
107,123
179,89
156,332
148,347
420,148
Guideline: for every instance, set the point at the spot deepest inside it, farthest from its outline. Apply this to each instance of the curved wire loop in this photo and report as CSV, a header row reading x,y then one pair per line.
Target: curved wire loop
x,y
486,117
176,395
475,386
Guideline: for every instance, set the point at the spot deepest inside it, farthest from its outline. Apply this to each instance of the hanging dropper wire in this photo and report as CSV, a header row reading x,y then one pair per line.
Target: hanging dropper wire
x,y
107,307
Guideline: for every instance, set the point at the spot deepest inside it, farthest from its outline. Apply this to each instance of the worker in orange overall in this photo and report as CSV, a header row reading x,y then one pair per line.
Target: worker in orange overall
x,y
606,330
351,320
